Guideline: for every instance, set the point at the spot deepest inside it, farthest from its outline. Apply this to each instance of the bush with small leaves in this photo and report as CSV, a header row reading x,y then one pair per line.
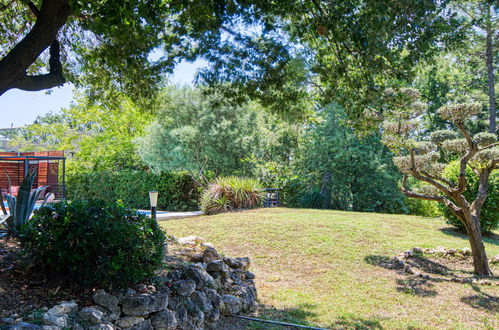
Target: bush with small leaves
x,y
438,137
489,215
94,243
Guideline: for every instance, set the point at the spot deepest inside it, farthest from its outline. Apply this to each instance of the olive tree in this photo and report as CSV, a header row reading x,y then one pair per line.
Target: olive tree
x,y
426,159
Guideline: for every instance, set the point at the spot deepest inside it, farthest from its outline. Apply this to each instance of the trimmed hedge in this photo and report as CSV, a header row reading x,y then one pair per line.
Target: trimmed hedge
x,y
177,190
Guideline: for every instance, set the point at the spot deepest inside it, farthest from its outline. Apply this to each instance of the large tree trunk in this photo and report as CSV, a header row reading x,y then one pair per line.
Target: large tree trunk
x,y
50,18
480,262
489,53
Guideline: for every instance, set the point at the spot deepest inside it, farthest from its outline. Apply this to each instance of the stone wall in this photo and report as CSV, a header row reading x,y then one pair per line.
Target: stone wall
x,y
192,295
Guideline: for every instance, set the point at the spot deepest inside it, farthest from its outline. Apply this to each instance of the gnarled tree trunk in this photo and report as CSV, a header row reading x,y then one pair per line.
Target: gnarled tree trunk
x,y
480,262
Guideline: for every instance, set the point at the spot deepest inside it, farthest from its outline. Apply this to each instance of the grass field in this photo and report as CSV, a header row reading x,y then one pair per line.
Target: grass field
x,y
313,267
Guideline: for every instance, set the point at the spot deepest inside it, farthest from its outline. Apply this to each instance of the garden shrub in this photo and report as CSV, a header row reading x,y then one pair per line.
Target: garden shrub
x,y
231,194
94,243
177,190
422,207
489,215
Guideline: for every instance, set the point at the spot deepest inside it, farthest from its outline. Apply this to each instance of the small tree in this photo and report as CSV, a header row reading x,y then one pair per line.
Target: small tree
x,y
426,159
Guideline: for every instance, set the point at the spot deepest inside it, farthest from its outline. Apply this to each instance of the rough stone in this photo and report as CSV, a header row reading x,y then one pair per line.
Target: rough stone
x,y
199,275
144,304
185,287
164,320
210,254
214,297
231,305
213,315
247,295
217,266
182,316
102,326
417,250
106,300
64,308
233,263
91,315
190,240
53,327
249,275
128,321
202,301
246,263
466,251
56,320
144,325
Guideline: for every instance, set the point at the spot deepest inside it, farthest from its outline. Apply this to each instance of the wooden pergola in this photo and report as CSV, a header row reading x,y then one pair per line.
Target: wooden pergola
x,y
50,167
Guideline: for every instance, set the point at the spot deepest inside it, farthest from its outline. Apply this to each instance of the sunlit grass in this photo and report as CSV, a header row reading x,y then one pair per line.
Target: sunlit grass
x,y
311,268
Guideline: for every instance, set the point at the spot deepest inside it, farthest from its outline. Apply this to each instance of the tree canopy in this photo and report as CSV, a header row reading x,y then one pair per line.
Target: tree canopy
x,y
269,50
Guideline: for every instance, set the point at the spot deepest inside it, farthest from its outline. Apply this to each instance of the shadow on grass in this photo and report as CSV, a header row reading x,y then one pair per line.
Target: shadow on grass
x,y
382,261
490,238
413,285
482,300
300,314
429,266
416,286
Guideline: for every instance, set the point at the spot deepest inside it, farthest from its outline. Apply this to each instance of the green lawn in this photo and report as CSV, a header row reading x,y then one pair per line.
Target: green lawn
x,y
312,268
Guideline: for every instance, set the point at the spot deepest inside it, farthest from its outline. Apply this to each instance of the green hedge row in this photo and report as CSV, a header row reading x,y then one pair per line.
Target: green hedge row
x,y
177,190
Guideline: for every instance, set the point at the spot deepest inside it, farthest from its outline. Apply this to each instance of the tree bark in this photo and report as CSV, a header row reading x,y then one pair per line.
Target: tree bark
x,y
51,18
489,53
480,262
326,190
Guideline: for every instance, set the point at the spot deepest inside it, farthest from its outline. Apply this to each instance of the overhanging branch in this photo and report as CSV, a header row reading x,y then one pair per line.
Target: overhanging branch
x,y
45,81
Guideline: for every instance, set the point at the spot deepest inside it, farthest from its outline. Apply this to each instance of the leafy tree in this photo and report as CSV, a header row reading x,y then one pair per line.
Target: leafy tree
x,y
99,136
483,16
351,50
425,160
343,171
127,45
199,134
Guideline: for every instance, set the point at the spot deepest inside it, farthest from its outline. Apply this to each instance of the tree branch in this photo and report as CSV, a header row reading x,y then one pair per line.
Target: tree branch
x,y
483,188
472,150
413,194
439,178
52,16
492,145
420,176
45,81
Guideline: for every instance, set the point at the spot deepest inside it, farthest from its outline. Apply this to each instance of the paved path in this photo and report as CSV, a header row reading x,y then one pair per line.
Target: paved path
x,y
165,215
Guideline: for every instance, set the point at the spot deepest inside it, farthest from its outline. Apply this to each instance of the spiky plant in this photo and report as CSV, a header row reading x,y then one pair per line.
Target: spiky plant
x,y
231,194
20,207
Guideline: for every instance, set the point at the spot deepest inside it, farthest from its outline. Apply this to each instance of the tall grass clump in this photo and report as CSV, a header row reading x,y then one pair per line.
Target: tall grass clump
x,y
231,193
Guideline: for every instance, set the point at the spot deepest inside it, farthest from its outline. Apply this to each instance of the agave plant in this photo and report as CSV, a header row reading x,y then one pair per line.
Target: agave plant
x,y
20,207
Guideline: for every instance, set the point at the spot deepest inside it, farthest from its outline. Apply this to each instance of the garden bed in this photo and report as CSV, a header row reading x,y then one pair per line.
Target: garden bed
x,y
198,288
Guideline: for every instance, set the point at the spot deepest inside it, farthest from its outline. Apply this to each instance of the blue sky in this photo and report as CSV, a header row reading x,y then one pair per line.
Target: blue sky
x,y
18,108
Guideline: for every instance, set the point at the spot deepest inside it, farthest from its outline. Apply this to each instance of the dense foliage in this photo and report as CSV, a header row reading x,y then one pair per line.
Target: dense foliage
x,y
94,243
339,170
177,190
489,214
199,134
227,194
